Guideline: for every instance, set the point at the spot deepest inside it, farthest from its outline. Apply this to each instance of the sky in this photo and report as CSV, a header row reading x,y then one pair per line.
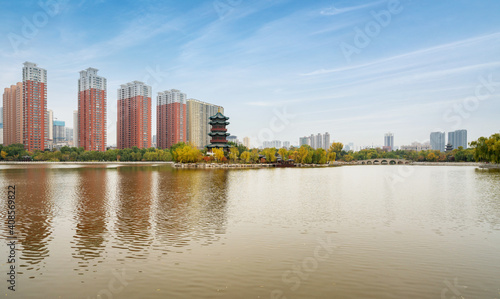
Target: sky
x,y
282,69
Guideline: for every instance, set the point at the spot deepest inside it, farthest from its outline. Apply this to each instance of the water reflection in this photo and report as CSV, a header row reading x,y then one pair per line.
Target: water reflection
x,y
34,217
90,215
191,206
133,205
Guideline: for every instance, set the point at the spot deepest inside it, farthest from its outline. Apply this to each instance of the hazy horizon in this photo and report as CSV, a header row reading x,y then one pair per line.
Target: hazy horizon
x,y
355,69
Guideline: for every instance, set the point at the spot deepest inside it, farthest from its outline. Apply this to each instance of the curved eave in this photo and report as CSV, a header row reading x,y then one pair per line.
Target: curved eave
x,y
218,134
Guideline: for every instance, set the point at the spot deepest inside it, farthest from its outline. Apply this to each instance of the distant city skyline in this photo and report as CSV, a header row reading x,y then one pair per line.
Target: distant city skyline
x,y
278,65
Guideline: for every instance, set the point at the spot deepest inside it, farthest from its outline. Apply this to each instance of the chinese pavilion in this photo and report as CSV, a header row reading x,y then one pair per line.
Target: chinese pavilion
x,y
218,132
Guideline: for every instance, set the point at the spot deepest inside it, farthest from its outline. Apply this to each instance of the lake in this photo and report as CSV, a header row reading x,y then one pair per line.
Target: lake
x,y
99,231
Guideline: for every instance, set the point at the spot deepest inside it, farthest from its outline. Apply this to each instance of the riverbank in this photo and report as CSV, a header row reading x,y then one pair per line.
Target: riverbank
x,y
82,163
236,165
448,163
490,166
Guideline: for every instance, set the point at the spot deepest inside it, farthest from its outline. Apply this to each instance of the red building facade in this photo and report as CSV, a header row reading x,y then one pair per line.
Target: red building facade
x,y
91,111
34,108
171,118
13,114
134,115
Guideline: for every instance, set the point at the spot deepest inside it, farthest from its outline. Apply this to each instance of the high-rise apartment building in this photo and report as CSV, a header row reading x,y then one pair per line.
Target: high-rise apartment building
x,y
171,118
326,141
59,131
13,114
198,118
304,141
134,115
91,110
458,138
286,144
75,128
389,141
438,141
319,141
69,135
316,141
34,96
246,142
50,124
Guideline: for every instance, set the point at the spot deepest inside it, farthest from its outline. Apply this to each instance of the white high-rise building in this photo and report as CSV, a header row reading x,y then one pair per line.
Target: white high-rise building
x,y
438,141
75,128
326,141
246,142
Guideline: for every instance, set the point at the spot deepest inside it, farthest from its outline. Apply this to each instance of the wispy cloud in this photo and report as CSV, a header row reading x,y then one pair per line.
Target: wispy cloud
x,y
332,11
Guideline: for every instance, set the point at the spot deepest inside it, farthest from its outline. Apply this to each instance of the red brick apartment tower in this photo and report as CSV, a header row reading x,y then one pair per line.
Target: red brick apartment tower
x,y
13,114
134,115
171,118
91,111
34,107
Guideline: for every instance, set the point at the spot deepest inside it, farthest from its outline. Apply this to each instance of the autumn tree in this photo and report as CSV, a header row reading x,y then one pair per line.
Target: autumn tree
x,y
233,154
219,153
245,156
283,152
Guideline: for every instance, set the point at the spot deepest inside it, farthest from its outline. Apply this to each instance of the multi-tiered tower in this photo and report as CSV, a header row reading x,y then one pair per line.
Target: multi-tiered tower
x,y
218,132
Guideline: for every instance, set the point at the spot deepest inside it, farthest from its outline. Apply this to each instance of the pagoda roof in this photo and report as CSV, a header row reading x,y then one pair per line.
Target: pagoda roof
x,y
218,133
218,121
216,145
219,116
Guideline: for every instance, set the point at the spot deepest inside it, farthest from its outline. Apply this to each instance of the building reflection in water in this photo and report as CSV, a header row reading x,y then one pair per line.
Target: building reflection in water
x,y
89,240
34,216
190,207
132,208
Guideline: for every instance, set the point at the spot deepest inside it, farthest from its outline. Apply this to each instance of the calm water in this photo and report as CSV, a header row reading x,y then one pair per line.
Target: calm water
x,y
346,232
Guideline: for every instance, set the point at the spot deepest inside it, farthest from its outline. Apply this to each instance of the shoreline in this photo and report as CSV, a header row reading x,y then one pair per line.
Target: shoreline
x,y
237,165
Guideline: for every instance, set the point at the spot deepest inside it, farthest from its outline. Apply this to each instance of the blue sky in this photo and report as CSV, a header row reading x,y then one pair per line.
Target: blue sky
x,y
281,69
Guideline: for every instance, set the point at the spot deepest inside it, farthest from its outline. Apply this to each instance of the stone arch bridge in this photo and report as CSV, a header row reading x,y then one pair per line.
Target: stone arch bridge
x,y
384,161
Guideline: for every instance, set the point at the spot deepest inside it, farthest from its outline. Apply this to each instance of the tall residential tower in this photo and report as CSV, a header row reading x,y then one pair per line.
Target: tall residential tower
x,y
198,119
13,114
91,111
171,118
34,96
134,115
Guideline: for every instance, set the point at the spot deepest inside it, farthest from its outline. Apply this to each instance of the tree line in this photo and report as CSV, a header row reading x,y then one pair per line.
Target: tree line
x,y
484,150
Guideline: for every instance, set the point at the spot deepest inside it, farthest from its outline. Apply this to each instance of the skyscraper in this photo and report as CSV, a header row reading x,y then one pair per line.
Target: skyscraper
x,y
458,138
75,128
92,110
326,141
50,124
13,114
59,131
246,142
134,115
312,141
198,118
319,141
34,107
438,141
304,141
389,141
171,118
